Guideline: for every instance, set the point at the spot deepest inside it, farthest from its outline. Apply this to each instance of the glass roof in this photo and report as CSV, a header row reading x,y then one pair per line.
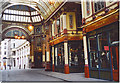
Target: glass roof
x,y
40,9
24,14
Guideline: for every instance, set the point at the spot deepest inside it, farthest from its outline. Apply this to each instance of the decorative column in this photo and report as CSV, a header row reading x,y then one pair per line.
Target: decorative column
x,y
66,67
47,64
53,66
43,55
86,57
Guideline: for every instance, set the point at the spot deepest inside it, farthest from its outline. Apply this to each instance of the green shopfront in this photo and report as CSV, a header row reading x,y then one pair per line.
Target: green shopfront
x,y
103,52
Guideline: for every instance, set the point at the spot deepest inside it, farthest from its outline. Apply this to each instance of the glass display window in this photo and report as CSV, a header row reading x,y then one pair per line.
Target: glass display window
x,y
103,50
94,60
92,42
59,55
76,56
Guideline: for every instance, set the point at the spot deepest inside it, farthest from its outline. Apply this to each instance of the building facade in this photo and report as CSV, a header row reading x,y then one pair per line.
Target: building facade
x,y
5,54
13,53
22,56
84,38
100,38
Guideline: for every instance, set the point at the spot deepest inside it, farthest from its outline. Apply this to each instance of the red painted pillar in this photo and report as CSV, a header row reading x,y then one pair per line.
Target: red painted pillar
x,y
86,57
66,67
86,71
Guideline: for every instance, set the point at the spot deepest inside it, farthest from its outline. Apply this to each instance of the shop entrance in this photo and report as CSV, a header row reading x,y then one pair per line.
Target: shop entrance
x,y
38,59
114,60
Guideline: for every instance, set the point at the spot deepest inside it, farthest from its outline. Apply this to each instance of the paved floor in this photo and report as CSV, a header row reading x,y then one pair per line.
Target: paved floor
x,y
42,75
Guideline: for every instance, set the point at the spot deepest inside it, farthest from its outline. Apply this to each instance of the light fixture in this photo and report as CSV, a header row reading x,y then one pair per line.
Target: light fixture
x,y
51,2
16,36
19,37
30,27
23,37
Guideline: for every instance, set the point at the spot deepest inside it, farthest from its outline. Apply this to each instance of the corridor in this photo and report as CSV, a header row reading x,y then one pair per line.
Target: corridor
x,y
39,75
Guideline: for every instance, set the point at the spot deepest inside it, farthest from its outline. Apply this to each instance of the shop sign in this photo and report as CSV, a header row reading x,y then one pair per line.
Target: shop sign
x,y
106,48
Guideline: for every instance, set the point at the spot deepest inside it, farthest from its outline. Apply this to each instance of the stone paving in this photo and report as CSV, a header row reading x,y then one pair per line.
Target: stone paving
x,y
44,76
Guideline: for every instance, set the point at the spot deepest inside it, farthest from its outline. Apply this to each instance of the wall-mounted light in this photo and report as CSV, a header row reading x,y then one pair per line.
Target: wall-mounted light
x,y
30,27
18,37
23,37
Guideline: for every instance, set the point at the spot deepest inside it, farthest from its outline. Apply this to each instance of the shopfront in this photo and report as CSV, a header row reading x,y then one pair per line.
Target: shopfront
x,y
75,57
103,52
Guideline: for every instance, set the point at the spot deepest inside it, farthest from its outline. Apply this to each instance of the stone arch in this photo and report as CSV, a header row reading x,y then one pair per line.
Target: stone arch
x,y
23,29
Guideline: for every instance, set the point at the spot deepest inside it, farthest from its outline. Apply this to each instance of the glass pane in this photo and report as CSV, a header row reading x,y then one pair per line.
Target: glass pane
x,y
76,56
99,5
114,36
103,42
58,25
104,59
92,43
104,50
94,60
61,54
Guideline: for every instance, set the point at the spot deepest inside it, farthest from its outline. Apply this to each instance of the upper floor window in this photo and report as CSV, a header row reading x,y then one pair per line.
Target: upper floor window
x,y
5,53
88,7
99,5
13,45
5,47
58,25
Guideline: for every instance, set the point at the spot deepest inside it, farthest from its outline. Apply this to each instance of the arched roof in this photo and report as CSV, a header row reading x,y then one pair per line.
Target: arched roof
x,y
43,7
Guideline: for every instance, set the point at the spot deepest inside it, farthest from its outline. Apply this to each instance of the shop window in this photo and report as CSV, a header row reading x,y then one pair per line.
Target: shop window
x,y
93,52
103,50
99,5
94,60
59,55
92,43
76,56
